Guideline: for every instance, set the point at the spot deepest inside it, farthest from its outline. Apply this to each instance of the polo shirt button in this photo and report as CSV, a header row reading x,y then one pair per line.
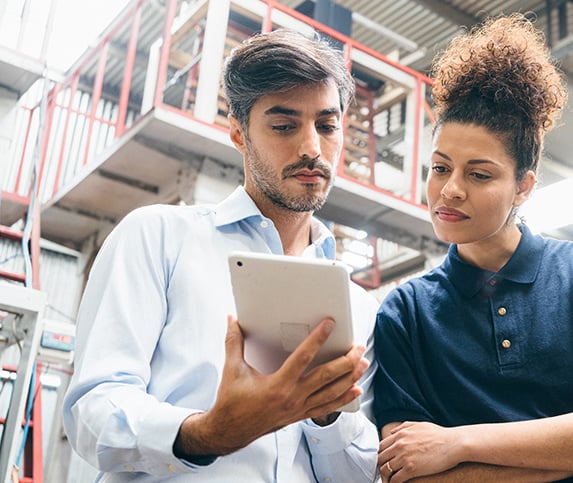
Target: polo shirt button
x,y
128,468
506,344
328,479
502,311
314,440
264,224
492,282
172,468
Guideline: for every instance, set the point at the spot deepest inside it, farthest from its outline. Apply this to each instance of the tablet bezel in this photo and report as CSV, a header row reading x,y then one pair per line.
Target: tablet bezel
x,y
279,299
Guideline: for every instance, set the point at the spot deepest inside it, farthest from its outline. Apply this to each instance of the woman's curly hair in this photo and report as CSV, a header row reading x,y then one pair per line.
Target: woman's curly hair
x,y
500,75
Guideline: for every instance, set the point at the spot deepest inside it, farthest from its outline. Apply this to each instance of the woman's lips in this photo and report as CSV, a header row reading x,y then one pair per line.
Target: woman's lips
x,y
450,215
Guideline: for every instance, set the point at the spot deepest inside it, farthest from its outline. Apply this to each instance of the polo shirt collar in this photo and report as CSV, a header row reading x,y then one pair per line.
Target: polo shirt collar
x,y
522,267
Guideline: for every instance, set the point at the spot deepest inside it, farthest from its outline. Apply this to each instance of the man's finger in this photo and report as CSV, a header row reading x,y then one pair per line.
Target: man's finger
x,y
328,387
328,372
320,405
234,341
297,363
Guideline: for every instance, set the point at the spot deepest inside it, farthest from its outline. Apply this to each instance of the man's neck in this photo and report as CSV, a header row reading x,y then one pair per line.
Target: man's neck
x,y
293,226
294,231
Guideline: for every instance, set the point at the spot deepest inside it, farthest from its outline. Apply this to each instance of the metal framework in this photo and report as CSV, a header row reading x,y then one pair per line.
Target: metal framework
x,y
21,325
144,103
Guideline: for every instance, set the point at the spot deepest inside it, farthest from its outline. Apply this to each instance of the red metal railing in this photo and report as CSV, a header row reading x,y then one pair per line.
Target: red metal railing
x,y
59,162
82,120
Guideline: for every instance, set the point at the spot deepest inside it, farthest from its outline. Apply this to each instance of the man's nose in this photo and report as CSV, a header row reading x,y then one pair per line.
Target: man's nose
x,y
309,143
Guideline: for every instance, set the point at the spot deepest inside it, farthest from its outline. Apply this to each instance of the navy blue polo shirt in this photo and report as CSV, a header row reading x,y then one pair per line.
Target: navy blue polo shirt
x,y
462,345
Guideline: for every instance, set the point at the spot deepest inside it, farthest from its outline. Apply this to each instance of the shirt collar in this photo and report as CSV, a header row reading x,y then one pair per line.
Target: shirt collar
x,y
236,207
240,206
522,267
321,237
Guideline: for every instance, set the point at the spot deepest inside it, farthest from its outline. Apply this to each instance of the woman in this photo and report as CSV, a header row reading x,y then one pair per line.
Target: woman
x,y
476,362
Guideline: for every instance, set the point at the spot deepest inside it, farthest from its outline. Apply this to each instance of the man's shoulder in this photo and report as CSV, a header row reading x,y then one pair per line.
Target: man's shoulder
x,y
168,213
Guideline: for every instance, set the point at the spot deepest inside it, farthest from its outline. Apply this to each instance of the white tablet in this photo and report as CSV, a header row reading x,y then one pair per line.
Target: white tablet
x,y
280,299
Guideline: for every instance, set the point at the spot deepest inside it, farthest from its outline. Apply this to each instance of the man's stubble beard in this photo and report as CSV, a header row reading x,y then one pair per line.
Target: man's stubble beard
x,y
265,180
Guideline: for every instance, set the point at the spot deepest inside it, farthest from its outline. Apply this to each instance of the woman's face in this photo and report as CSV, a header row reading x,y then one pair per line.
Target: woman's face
x,y
471,188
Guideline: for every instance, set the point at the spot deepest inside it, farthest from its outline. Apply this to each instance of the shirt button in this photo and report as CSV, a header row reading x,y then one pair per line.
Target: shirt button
x,y
492,282
172,469
328,479
314,440
506,344
129,468
264,224
502,311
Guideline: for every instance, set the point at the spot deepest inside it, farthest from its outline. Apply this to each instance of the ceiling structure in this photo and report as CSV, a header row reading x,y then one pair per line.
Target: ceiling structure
x,y
417,29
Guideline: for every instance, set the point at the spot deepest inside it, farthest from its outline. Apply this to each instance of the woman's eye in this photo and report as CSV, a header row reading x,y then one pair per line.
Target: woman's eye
x,y
481,176
439,169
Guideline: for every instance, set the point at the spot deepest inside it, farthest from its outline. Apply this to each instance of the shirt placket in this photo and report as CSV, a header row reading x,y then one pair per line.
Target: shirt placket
x,y
505,327
287,440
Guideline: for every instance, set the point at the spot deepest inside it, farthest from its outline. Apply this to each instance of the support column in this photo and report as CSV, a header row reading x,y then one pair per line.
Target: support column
x,y
211,63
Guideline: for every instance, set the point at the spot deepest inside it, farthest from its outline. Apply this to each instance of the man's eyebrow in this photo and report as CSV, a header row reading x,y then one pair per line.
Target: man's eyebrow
x,y
282,110
293,112
329,112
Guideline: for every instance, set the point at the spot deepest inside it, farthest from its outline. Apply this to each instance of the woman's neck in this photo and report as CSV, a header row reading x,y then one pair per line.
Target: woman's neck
x,y
492,253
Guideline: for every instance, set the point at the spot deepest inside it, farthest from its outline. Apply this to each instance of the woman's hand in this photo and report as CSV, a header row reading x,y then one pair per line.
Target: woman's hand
x,y
414,449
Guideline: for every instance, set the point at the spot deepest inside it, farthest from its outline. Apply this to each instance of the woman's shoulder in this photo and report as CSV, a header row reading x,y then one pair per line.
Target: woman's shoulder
x,y
419,287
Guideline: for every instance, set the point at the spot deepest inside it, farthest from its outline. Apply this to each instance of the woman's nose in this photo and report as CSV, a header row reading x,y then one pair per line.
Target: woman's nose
x,y
453,189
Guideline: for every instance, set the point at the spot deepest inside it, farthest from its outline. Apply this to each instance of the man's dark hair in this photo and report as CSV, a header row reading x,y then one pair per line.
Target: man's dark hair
x,y
277,62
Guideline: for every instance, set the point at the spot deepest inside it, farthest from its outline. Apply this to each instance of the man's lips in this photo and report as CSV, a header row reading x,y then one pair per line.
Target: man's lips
x,y
450,214
313,176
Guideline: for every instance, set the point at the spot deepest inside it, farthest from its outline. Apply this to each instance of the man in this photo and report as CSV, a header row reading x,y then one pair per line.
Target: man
x,y
161,391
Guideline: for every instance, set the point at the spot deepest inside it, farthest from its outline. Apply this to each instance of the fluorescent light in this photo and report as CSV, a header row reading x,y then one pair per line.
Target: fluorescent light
x,y
545,210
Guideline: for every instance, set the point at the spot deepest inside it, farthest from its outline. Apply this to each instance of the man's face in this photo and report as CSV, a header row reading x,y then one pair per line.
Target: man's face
x,y
292,146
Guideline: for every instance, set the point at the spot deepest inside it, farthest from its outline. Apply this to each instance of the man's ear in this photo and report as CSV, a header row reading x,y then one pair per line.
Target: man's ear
x,y
236,133
524,188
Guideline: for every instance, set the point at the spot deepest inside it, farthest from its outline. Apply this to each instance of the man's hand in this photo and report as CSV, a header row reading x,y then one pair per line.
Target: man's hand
x,y
250,404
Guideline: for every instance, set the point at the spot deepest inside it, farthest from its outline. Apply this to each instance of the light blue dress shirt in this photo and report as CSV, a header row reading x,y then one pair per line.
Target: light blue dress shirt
x,y
150,352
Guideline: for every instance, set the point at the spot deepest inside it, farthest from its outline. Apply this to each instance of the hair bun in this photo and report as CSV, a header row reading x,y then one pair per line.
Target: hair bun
x,y
505,61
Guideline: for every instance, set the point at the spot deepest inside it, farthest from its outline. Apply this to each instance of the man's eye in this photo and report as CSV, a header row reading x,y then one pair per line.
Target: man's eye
x,y
282,127
329,127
